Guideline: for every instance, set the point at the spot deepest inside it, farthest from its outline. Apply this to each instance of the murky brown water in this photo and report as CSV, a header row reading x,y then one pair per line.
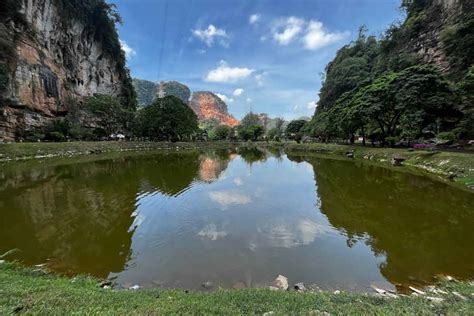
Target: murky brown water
x,y
237,216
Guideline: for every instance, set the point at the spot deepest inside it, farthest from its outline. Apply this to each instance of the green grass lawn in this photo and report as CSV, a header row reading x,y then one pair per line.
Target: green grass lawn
x,y
26,290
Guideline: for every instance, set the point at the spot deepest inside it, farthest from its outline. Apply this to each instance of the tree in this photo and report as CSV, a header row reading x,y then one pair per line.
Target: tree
x,y
295,127
465,128
249,120
168,119
252,132
109,112
221,132
273,133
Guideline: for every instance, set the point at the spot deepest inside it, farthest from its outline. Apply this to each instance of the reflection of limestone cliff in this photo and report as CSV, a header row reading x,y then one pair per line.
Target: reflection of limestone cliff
x,y
211,167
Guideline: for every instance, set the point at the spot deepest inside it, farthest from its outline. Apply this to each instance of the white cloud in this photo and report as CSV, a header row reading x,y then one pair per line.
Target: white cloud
x,y
259,78
226,74
249,100
238,92
201,51
312,105
295,107
225,98
226,198
317,37
254,18
286,31
210,231
129,52
210,34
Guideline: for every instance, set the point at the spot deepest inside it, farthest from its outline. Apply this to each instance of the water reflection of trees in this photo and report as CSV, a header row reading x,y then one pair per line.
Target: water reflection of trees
x,y
79,215
76,215
251,154
422,227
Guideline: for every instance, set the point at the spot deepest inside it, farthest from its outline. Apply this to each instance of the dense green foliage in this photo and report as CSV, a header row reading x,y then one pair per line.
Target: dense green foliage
x,y
459,42
166,118
377,90
295,126
111,117
466,88
221,132
250,127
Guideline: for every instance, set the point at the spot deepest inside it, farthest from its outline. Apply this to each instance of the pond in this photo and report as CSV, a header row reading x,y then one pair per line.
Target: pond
x,y
237,217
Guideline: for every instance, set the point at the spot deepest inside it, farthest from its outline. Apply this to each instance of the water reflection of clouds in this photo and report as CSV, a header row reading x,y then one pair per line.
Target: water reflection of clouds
x,y
210,231
238,181
226,198
288,235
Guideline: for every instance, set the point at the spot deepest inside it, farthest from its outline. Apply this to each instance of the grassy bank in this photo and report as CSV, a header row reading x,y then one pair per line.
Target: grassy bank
x,y
26,290
455,167
28,151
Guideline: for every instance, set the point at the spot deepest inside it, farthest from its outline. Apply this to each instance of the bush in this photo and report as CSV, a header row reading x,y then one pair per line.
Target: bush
x,y
56,136
221,132
446,136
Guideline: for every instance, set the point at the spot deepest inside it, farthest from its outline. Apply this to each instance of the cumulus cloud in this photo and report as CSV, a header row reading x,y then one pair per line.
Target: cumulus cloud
x,y
254,18
210,34
286,31
311,33
227,198
317,37
129,52
312,105
238,92
225,74
225,98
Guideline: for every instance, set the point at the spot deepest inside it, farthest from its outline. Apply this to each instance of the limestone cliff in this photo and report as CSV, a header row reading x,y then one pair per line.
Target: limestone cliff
x,y
57,51
429,25
207,105
148,91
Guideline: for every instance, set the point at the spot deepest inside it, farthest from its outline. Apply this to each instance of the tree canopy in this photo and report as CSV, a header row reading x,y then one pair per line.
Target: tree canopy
x,y
166,118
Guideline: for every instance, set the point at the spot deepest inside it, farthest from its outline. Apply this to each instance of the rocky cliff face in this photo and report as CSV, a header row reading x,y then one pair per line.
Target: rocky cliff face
x,y
207,105
52,60
429,27
148,91
174,88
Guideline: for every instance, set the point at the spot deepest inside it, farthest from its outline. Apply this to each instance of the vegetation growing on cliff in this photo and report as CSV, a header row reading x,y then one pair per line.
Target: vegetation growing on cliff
x,y
378,90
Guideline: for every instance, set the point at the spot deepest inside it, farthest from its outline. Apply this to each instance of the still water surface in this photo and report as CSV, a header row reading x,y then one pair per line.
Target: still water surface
x,y
237,216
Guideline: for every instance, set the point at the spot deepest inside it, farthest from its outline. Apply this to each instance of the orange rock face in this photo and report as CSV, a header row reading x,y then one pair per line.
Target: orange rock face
x,y
207,105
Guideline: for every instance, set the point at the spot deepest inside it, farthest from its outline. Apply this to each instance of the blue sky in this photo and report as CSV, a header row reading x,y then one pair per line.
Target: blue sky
x,y
260,55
